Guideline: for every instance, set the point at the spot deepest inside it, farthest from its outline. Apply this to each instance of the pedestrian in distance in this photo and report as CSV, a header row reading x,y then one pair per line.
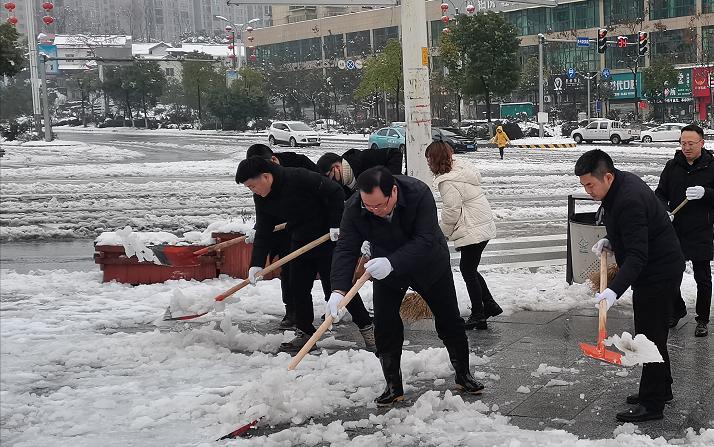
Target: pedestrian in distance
x,y
397,216
690,175
311,205
280,241
346,168
650,261
500,139
467,221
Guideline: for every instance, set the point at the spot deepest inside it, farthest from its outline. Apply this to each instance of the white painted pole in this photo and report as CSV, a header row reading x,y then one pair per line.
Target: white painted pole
x,y
417,103
541,102
34,74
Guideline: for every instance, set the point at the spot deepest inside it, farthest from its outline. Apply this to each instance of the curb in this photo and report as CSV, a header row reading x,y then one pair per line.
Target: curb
x,y
545,146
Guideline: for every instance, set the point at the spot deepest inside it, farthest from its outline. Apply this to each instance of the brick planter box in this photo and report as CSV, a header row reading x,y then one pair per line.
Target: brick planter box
x,y
116,266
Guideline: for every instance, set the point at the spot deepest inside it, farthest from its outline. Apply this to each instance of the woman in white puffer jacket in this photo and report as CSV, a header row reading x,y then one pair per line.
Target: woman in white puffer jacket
x,y
467,221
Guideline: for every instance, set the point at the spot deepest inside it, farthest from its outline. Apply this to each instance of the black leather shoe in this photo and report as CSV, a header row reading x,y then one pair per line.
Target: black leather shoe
x,y
297,343
701,330
467,384
287,323
639,414
476,321
634,399
389,397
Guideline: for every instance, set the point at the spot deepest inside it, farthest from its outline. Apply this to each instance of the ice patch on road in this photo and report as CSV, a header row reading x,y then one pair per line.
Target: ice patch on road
x,y
637,350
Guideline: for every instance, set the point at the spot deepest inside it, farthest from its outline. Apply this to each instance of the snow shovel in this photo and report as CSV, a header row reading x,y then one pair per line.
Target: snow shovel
x,y
598,351
680,206
178,256
242,430
280,262
328,322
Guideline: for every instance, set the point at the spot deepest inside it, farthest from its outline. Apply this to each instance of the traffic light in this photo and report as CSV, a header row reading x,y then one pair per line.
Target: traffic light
x,y
643,43
622,42
601,40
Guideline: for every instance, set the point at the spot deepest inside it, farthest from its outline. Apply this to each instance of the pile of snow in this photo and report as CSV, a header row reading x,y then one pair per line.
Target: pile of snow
x,y
545,369
32,153
638,350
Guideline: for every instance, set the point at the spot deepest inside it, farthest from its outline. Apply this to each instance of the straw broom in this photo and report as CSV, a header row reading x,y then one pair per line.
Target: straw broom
x,y
594,277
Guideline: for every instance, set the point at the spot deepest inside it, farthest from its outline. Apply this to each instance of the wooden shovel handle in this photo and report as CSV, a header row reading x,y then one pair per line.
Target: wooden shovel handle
x,y
680,206
328,322
279,263
228,243
602,315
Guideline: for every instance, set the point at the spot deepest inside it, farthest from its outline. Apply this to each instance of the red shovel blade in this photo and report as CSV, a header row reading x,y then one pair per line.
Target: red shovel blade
x,y
240,431
600,353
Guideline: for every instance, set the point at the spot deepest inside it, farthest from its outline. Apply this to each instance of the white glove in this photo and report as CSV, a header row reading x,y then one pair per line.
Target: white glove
x,y
366,249
379,268
250,236
251,275
608,295
694,192
334,234
671,216
331,307
602,244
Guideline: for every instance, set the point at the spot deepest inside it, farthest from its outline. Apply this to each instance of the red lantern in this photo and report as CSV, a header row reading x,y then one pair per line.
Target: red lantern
x,y
251,38
231,56
9,6
229,37
444,7
47,6
249,29
48,20
229,28
230,46
12,20
253,58
470,9
445,19
446,31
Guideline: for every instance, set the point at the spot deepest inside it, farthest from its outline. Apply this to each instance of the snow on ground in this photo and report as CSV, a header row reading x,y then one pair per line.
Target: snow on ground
x,y
86,363
33,153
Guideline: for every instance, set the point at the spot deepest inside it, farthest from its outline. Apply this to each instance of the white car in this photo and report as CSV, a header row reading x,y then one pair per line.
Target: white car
x,y
665,132
614,131
294,133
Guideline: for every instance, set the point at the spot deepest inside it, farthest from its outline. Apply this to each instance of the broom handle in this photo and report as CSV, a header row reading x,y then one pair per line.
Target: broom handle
x,y
680,206
602,316
328,322
279,263
228,243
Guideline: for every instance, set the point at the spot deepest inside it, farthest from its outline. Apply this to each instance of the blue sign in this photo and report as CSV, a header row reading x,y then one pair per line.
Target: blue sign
x,y
49,50
571,73
582,42
350,64
598,106
606,74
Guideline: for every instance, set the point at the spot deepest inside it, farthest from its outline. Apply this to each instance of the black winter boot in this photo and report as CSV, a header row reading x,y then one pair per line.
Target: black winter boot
x,y
465,382
491,308
394,392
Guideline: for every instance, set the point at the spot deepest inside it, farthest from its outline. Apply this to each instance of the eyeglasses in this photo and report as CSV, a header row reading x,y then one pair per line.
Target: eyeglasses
x,y
380,207
690,143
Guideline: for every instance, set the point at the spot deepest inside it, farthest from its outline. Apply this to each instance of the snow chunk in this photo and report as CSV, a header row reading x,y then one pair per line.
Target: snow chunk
x,y
557,382
523,389
637,350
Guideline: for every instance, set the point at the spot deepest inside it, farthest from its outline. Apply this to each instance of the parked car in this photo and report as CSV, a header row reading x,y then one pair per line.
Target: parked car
x,y
614,131
294,133
388,138
567,128
664,132
398,124
458,142
323,124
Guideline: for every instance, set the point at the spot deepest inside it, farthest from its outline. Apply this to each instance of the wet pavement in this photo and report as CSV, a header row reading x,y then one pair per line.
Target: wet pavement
x,y
585,395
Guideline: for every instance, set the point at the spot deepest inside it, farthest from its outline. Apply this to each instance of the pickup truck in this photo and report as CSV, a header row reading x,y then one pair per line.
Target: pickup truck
x,y
614,131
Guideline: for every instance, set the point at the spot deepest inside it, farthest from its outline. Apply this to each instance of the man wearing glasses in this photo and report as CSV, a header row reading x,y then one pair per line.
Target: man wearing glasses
x,y
346,168
690,175
397,216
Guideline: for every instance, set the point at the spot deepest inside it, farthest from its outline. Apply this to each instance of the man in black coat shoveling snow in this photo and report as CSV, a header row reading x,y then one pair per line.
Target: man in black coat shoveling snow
x,y
650,260
312,206
397,216
280,240
346,168
690,175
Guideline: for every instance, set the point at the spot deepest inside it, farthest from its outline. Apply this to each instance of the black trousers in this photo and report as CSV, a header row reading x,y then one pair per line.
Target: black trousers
x,y
703,278
303,271
281,248
475,284
500,150
652,307
441,298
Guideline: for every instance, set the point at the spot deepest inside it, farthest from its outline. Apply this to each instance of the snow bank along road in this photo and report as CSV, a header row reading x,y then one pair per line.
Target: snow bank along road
x,y
177,183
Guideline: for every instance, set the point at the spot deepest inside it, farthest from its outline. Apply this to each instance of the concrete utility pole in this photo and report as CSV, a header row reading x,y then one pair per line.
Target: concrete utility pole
x,y
34,75
417,102
45,100
541,102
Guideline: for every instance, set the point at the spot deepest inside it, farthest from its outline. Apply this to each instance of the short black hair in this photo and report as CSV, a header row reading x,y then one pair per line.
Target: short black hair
x,y
378,176
693,128
259,150
595,162
253,167
324,163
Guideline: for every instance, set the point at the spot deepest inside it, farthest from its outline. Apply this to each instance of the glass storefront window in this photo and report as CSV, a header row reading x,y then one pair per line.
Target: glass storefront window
x,y
358,44
707,6
623,11
381,36
665,9
678,46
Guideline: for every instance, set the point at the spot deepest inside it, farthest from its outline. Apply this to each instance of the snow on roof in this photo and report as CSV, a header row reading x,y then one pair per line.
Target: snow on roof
x,y
138,49
213,50
82,40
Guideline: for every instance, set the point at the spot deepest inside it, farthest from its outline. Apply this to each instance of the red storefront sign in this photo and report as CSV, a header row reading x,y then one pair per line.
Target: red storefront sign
x,y
700,81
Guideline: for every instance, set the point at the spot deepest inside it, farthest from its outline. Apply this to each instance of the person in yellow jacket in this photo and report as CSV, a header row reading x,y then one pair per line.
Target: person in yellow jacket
x,y
500,139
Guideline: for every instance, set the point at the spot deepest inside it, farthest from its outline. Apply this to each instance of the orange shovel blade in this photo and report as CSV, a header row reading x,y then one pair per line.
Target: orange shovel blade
x,y
600,353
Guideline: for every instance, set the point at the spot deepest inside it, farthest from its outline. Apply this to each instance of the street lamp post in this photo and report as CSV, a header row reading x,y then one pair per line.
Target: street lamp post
x,y
231,28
